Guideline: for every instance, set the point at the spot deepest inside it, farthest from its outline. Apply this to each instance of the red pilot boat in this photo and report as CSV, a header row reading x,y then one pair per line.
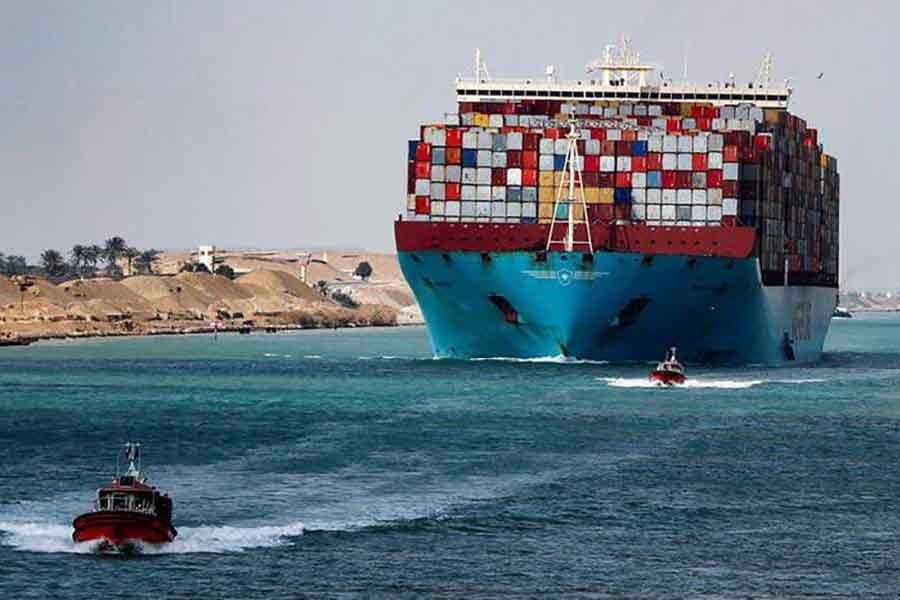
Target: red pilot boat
x,y
127,512
669,372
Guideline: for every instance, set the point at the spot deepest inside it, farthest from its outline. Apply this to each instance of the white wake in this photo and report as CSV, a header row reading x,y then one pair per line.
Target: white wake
x,y
723,384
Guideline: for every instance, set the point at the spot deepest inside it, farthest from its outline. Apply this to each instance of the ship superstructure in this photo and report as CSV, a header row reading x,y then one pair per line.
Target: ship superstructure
x,y
611,217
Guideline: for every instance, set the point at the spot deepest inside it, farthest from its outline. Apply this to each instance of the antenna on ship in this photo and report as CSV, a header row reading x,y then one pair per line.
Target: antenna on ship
x,y
481,70
621,65
567,201
764,78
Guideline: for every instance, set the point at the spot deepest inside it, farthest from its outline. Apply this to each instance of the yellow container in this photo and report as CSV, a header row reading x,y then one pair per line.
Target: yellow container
x,y
557,178
592,195
546,194
686,108
578,211
613,103
482,120
607,195
545,210
545,179
771,115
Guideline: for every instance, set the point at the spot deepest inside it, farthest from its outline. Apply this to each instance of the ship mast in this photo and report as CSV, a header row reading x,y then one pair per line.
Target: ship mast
x,y
567,200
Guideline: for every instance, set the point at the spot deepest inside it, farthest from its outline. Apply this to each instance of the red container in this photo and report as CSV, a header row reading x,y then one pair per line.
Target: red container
x,y
498,177
737,138
607,148
644,121
638,164
629,135
714,178
423,205
411,178
762,142
580,145
654,161
454,136
729,221
423,170
731,153
529,177
673,124
600,212
592,164
748,155
513,159
451,191
811,138
509,108
529,159
598,134
684,179
465,107
622,211
623,180
454,156
730,189
704,123
423,151
591,179
670,179
606,180
623,148
553,134
699,162
530,141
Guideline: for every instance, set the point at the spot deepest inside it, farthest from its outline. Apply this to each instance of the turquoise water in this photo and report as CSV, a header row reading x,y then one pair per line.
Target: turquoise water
x,y
349,463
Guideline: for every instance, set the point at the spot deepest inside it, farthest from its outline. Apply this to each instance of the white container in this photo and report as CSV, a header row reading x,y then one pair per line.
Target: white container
x,y
561,147
437,191
437,173
654,212
658,124
437,207
498,193
467,192
640,110
467,119
483,209
698,197
742,111
467,209
714,160
716,142
623,163
483,193
726,112
688,123
545,162
638,196
498,209
513,209
698,179
685,143
495,120
423,187
453,173
626,110
730,171
654,110
638,180
485,158
654,196
470,140
514,177
729,207
529,209
592,147
685,162
714,197
610,111
614,135
669,196
469,175
499,144
655,143
714,213
684,196
498,160
701,143
607,164
514,141
683,213
670,143
485,140
545,146
698,213
411,202
669,161
638,211
511,120
483,176
668,212
596,110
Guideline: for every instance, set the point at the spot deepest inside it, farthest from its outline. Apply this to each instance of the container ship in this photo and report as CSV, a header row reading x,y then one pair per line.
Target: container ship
x,y
613,217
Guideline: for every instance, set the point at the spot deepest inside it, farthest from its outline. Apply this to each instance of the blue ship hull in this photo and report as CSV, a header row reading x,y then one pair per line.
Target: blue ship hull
x,y
617,307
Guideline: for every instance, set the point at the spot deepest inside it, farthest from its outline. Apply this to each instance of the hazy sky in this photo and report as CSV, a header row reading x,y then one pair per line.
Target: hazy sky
x,y
284,124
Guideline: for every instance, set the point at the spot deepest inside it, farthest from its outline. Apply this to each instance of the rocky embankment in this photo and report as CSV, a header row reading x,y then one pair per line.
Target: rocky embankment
x,y
183,303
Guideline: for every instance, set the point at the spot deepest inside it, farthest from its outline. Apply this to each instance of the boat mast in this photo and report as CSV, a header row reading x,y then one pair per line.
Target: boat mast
x,y
133,456
570,199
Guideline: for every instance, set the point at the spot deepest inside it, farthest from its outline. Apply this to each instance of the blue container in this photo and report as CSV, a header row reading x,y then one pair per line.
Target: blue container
x,y
438,156
559,162
499,143
413,144
623,196
529,194
639,148
530,220
562,211
513,194
654,179
470,158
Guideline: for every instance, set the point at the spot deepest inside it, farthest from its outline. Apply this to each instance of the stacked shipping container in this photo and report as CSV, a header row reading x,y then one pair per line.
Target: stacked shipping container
x,y
675,164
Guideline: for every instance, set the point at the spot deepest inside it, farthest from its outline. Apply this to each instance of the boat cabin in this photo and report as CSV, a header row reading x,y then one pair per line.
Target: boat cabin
x,y
129,495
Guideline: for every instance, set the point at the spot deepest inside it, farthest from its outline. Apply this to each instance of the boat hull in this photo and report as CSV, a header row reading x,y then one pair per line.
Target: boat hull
x,y
121,529
666,378
615,306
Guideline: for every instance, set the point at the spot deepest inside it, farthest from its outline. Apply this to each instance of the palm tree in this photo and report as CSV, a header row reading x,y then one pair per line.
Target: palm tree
x,y
115,247
16,265
53,263
144,262
92,256
2,263
130,253
78,256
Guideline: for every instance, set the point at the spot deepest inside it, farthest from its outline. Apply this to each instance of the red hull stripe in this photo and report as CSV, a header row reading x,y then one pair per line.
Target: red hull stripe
x,y
119,527
727,242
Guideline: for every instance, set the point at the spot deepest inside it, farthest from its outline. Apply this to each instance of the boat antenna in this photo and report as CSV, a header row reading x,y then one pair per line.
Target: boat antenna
x,y
133,455
569,196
